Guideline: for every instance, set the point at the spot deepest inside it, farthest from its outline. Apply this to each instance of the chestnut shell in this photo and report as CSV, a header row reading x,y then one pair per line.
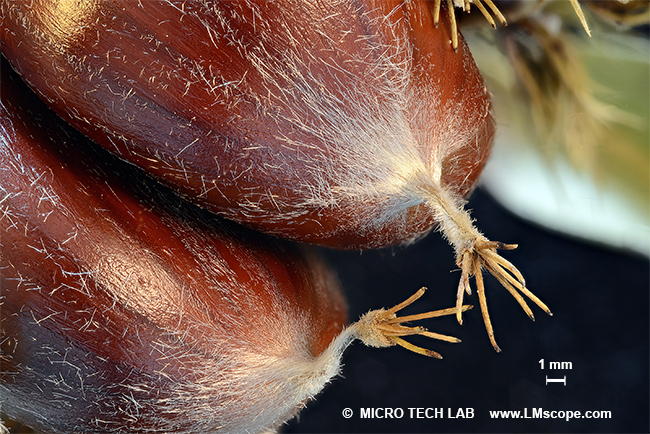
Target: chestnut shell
x,y
305,119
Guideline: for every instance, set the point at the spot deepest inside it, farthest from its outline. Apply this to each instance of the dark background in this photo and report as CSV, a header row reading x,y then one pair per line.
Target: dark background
x,y
600,302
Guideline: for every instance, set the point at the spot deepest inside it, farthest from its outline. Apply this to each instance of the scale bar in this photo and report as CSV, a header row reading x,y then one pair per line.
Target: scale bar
x,y
556,380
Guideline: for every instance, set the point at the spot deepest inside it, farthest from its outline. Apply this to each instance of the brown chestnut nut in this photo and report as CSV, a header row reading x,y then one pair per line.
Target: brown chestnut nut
x,y
345,124
127,309
315,122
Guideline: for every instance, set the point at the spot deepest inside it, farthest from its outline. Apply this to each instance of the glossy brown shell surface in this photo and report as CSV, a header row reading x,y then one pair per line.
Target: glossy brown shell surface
x,y
305,119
